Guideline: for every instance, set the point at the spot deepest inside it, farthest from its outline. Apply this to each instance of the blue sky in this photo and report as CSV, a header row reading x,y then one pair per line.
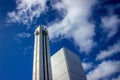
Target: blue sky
x,y
91,29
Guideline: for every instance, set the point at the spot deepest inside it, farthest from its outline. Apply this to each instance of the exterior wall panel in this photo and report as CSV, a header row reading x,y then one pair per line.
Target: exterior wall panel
x,y
59,67
76,77
59,70
74,65
66,65
57,58
63,77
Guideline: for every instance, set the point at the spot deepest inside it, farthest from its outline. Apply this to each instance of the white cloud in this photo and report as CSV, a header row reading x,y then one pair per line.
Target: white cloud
x,y
26,11
75,24
110,24
103,70
23,35
27,50
114,49
87,66
118,78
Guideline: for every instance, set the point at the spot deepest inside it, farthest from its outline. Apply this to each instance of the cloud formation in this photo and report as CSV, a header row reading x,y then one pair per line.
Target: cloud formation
x,y
118,78
87,66
110,24
26,11
114,49
28,49
75,24
23,35
107,68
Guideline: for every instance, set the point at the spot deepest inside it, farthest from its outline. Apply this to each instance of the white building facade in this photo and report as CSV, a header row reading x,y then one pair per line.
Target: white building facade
x,y
66,65
41,62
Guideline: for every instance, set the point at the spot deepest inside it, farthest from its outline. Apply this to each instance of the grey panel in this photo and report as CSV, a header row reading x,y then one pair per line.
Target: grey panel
x,y
76,68
72,56
57,58
66,65
63,77
59,70
76,77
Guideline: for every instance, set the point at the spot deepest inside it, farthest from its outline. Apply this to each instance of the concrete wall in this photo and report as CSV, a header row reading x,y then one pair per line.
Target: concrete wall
x,y
66,65
59,67
74,65
41,63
